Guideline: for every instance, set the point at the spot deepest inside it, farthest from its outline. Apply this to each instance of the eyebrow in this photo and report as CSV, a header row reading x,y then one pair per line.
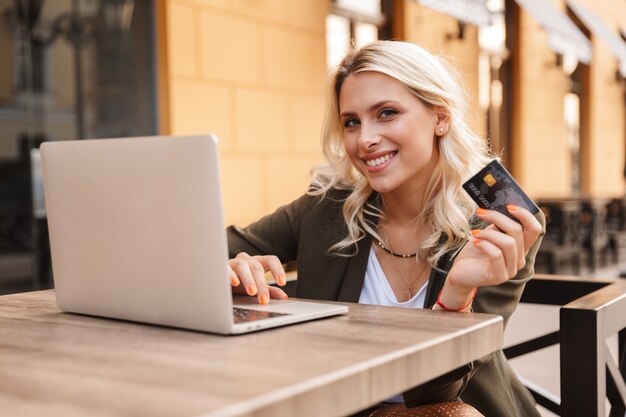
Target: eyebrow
x,y
370,108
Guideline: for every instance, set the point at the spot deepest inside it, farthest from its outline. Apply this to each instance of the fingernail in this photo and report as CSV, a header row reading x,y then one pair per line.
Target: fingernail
x,y
281,280
235,281
251,289
481,210
475,232
477,241
511,207
265,299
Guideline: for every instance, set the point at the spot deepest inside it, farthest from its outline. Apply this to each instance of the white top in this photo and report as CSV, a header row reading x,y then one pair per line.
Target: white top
x,y
376,290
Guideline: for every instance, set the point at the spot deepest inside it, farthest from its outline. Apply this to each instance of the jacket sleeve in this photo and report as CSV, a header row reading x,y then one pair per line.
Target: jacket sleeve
x,y
501,300
275,234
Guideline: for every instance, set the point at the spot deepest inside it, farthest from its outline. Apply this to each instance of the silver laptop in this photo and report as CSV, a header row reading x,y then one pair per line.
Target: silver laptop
x,y
137,233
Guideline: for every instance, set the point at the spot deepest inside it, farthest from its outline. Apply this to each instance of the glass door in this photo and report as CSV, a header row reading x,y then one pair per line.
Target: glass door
x,y
71,69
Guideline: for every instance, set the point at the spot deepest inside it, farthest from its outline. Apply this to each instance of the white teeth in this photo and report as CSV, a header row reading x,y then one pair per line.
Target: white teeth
x,y
378,161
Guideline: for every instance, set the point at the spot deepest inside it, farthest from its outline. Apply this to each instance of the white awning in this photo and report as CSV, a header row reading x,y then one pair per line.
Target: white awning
x,y
468,11
564,37
597,26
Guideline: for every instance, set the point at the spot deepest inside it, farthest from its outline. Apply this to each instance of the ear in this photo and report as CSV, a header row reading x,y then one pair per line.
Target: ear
x,y
443,121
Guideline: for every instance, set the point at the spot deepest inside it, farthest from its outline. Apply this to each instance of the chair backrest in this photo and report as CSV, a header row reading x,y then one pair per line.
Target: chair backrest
x,y
592,310
562,221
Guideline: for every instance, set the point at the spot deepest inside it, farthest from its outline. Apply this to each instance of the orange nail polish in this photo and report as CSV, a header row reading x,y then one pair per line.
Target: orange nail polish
x,y
234,281
511,207
475,232
265,299
252,290
281,280
477,241
481,210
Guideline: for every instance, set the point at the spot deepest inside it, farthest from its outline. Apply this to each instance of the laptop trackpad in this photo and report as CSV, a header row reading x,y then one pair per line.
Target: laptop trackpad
x,y
287,307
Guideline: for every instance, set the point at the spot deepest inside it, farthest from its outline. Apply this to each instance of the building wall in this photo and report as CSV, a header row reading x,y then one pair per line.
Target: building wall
x,y
541,152
431,30
253,72
607,107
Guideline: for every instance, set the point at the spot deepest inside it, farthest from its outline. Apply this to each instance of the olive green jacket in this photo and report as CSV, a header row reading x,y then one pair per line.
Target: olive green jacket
x,y
304,230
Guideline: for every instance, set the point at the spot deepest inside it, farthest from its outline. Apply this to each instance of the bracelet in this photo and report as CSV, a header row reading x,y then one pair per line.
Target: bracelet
x,y
442,305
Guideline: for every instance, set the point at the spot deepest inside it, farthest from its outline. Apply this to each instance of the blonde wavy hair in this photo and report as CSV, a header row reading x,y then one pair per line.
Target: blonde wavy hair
x,y
447,208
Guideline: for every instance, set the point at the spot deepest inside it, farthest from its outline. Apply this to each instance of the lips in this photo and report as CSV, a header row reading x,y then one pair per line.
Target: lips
x,y
377,161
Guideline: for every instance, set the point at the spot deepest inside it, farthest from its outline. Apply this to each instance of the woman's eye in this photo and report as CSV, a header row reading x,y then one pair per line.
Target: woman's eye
x,y
388,113
350,123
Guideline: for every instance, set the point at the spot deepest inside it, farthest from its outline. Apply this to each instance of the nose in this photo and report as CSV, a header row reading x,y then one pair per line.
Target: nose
x,y
369,137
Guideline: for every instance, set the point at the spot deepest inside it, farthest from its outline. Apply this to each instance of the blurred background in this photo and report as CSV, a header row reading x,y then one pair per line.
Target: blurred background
x,y
545,81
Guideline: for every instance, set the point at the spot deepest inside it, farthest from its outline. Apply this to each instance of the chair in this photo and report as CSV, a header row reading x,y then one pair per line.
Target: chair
x,y
562,243
616,228
592,310
594,232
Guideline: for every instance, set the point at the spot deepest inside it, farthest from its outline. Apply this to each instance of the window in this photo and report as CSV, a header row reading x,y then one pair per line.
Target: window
x,y
351,23
72,69
493,53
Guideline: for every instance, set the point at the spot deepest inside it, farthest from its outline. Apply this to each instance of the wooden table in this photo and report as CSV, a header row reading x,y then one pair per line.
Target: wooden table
x,y
58,364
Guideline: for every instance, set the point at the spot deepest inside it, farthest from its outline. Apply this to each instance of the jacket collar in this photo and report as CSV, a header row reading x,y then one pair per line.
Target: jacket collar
x,y
352,285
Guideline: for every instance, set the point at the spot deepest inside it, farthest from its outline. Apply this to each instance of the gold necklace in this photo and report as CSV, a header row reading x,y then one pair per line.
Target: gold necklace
x,y
409,284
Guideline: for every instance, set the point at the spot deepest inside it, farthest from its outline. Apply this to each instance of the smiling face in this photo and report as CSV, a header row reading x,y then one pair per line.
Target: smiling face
x,y
388,133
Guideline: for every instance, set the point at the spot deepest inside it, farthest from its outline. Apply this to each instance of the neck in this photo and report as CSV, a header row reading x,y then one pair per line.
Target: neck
x,y
400,227
402,210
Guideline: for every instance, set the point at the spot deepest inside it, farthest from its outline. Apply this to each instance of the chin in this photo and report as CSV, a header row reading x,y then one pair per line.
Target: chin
x,y
382,188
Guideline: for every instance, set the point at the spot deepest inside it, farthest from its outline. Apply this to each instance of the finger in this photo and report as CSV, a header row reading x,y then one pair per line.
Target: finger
x,y
510,227
496,271
511,208
531,227
247,269
234,280
276,292
239,288
507,245
258,274
268,263
246,281
273,264
500,220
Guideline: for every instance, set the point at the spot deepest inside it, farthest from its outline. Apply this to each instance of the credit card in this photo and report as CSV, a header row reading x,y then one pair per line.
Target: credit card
x,y
493,188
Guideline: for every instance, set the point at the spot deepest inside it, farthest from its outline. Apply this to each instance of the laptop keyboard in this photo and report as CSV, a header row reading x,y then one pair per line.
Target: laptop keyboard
x,y
243,315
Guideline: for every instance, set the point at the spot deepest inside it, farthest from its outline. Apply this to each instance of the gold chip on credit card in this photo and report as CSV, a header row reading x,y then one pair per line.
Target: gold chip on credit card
x,y
489,179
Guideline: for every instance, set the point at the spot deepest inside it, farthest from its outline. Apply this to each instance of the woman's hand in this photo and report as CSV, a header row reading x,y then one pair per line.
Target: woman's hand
x,y
493,255
247,276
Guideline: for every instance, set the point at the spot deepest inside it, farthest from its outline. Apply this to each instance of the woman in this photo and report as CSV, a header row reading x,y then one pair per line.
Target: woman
x,y
387,221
